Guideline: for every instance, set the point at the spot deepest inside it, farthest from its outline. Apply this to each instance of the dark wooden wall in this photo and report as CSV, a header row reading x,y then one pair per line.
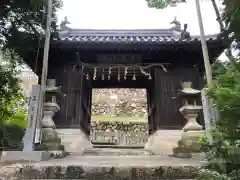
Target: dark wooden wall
x,y
76,106
164,93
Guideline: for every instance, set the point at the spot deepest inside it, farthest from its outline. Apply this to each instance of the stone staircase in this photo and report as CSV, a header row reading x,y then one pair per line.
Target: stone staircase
x,y
111,164
106,168
117,152
107,164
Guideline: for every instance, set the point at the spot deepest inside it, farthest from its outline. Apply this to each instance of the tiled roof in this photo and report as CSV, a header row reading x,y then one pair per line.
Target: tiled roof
x,y
136,36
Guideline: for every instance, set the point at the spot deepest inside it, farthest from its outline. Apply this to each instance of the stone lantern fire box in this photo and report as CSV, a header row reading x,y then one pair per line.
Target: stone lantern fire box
x,y
192,131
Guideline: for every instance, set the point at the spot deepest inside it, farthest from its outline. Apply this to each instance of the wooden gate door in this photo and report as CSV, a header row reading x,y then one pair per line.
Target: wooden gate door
x,y
75,108
156,99
84,104
150,106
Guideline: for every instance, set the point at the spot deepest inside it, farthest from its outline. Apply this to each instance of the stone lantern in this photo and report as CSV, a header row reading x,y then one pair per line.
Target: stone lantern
x,y
190,109
50,139
192,131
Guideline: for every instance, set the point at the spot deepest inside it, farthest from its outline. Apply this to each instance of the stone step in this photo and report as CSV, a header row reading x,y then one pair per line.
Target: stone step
x,y
116,152
118,146
111,167
70,139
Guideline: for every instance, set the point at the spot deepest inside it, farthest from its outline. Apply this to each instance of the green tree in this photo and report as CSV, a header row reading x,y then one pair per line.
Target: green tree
x,y
10,94
231,16
161,4
22,23
219,68
224,156
9,83
22,26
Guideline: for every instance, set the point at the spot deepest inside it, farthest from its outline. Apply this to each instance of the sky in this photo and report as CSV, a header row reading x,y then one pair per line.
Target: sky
x,y
135,14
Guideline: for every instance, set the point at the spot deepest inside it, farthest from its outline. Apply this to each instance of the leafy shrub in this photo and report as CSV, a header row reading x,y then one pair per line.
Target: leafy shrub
x,y
12,117
224,152
10,136
19,119
12,130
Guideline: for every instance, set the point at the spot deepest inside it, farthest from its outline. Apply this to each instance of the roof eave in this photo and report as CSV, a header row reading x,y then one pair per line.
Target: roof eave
x,y
65,44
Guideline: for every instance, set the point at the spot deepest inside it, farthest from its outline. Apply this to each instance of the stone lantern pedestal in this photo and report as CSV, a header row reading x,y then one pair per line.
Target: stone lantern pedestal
x,y
192,131
190,113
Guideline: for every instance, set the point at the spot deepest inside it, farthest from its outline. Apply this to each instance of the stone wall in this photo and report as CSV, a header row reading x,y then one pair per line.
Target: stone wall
x,y
119,132
122,103
119,102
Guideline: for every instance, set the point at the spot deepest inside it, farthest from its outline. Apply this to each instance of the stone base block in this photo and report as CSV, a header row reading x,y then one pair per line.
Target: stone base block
x,y
188,144
25,156
190,140
50,135
51,142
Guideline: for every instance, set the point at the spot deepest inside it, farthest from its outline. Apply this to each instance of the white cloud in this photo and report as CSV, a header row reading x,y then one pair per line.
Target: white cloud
x,y
135,14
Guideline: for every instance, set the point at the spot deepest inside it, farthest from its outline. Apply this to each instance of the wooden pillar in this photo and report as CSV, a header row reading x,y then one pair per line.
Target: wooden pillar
x,y
90,105
79,96
149,106
156,99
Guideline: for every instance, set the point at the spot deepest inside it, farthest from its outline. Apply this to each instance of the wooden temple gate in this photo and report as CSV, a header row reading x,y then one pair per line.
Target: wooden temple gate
x,y
161,92
182,56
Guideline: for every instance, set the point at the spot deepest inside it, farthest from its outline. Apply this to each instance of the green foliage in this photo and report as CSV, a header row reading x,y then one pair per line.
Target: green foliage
x,y
231,16
12,121
19,119
227,96
23,22
206,174
10,136
12,130
9,89
219,68
224,152
22,25
161,4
